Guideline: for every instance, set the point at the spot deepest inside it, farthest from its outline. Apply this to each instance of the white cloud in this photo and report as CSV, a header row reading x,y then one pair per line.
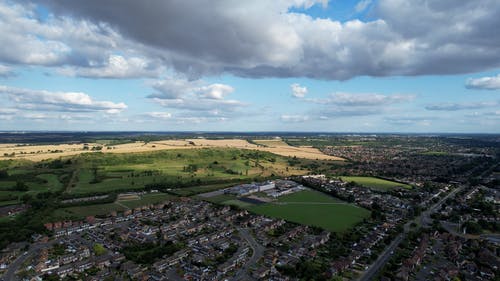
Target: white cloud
x,y
76,47
484,83
294,118
410,121
58,101
298,91
356,104
195,98
363,99
159,115
6,71
216,91
362,5
462,106
116,67
7,113
401,38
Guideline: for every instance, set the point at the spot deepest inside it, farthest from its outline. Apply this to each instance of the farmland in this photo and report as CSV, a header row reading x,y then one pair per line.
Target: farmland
x,y
314,208
53,151
375,183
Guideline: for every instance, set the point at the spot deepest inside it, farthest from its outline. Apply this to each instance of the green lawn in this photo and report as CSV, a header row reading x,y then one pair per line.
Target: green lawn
x,y
308,196
80,212
219,199
6,185
314,208
189,191
11,202
376,183
151,198
238,203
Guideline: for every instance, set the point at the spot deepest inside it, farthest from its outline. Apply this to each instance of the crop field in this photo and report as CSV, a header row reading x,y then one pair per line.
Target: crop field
x,y
271,142
44,152
314,208
375,183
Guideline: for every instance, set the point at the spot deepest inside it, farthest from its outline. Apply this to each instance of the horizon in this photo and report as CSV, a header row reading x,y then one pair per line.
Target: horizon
x,y
354,66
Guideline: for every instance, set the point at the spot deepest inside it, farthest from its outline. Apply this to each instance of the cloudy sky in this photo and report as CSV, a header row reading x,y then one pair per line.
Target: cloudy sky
x,y
281,65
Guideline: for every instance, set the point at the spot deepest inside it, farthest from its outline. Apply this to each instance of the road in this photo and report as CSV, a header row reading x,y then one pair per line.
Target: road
x,y
10,274
381,260
424,218
257,252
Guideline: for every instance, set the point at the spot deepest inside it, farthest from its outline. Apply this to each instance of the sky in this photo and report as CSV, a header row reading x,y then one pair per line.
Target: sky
x,y
421,66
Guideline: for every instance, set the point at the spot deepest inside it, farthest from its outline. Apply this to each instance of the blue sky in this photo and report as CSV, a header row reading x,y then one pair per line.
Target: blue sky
x,y
298,65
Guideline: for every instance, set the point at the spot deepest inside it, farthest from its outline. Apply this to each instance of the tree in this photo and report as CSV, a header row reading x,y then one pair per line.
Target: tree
x,y
21,186
99,249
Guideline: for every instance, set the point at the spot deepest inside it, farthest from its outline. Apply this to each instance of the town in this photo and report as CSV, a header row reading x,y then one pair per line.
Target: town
x,y
383,224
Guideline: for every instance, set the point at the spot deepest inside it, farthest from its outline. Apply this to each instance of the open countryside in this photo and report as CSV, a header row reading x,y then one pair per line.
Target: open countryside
x,y
43,152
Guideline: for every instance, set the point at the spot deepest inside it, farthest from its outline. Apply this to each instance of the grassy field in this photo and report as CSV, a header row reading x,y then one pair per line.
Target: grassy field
x,y
193,167
219,199
147,199
308,196
21,177
190,191
314,208
375,183
81,212
238,203
7,203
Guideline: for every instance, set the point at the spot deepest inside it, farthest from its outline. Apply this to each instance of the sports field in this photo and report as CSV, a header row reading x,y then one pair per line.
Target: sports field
x,y
314,208
375,183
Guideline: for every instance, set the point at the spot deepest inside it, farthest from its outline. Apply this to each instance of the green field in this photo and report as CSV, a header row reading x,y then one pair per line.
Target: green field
x,y
238,203
308,196
179,169
375,183
436,153
17,181
314,208
147,199
189,191
219,199
81,212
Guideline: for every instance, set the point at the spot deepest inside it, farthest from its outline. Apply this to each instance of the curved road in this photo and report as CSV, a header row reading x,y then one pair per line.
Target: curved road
x,y
257,252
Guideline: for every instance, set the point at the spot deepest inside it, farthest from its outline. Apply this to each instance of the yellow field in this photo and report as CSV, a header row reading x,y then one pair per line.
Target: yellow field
x,y
277,146
42,152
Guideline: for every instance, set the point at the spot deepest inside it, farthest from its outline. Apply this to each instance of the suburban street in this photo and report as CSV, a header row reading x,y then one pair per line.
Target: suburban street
x,y
257,252
425,220
10,274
